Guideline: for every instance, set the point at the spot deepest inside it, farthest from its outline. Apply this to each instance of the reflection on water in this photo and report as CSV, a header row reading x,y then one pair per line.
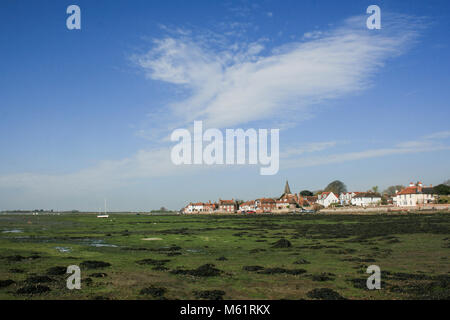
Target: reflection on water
x,y
12,231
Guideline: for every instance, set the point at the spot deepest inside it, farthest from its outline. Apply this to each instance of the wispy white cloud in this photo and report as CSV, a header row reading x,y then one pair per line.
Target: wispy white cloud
x,y
429,143
245,82
307,148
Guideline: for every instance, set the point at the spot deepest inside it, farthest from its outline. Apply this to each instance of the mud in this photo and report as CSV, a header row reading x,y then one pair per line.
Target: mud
x,y
209,294
302,261
156,292
324,294
152,262
252,268
92,264
57,271
33,289
6,283
39,279
282,243
206,270
98,275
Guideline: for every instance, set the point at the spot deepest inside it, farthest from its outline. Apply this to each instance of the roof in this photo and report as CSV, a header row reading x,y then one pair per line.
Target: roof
x,y
287,190
367,195
325,194
226,202
311,199
266,200
417,190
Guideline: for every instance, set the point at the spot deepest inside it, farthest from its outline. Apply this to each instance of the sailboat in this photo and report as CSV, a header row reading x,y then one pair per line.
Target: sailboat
x,y
103,215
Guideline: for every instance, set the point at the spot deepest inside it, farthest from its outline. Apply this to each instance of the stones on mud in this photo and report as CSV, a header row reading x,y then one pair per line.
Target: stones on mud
x,y
18,258
6,283
257,250
206,270
341,251
209,294
92,264
302,261
359,283
38,279
282,270
100,298
252,268
57,271
98,275
324,294
153,262
324,276
15,270
33,289
155,292
437,289
282,243
275,270
356,259
173,253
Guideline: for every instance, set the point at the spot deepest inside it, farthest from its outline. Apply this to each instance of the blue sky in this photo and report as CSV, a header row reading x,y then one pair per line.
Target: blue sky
x,y
85,114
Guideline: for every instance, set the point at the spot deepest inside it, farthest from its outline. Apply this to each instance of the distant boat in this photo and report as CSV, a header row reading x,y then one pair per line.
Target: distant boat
x,y
103,215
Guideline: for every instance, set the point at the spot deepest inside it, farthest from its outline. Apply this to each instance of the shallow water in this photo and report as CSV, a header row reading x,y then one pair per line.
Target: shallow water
x,y
12,231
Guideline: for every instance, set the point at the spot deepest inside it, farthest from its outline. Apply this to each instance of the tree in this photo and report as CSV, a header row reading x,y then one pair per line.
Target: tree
x,y
337,187
391,190
375,189
306,193
442,189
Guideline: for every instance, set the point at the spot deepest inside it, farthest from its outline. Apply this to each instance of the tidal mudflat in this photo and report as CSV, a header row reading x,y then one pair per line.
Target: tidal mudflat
x,y
225,257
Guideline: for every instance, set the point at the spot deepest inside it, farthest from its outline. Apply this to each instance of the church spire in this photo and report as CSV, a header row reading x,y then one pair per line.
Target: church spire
x,y
287,190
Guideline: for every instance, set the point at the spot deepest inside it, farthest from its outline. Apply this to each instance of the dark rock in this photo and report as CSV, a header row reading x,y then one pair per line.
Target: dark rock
x,y
156,292
324,294
282,243
33,289
6,283
98,275
91,264
38,279
57,271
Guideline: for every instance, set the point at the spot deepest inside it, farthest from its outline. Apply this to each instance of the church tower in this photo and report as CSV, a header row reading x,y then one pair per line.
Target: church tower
x,y
287,190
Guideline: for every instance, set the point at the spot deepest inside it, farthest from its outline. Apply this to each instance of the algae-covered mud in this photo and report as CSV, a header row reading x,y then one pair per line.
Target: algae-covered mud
x,y
225,257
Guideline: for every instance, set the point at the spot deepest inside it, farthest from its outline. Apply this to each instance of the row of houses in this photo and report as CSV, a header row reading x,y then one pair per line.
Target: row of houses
x,y
413,195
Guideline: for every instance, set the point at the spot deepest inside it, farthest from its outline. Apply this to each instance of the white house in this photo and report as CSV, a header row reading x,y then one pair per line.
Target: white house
x,y
248,206
199,207
415,194
365,199
227,205
327,198
345,198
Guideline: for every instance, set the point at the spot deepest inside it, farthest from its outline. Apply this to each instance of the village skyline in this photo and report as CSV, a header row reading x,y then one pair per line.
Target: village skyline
x,y
335,195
